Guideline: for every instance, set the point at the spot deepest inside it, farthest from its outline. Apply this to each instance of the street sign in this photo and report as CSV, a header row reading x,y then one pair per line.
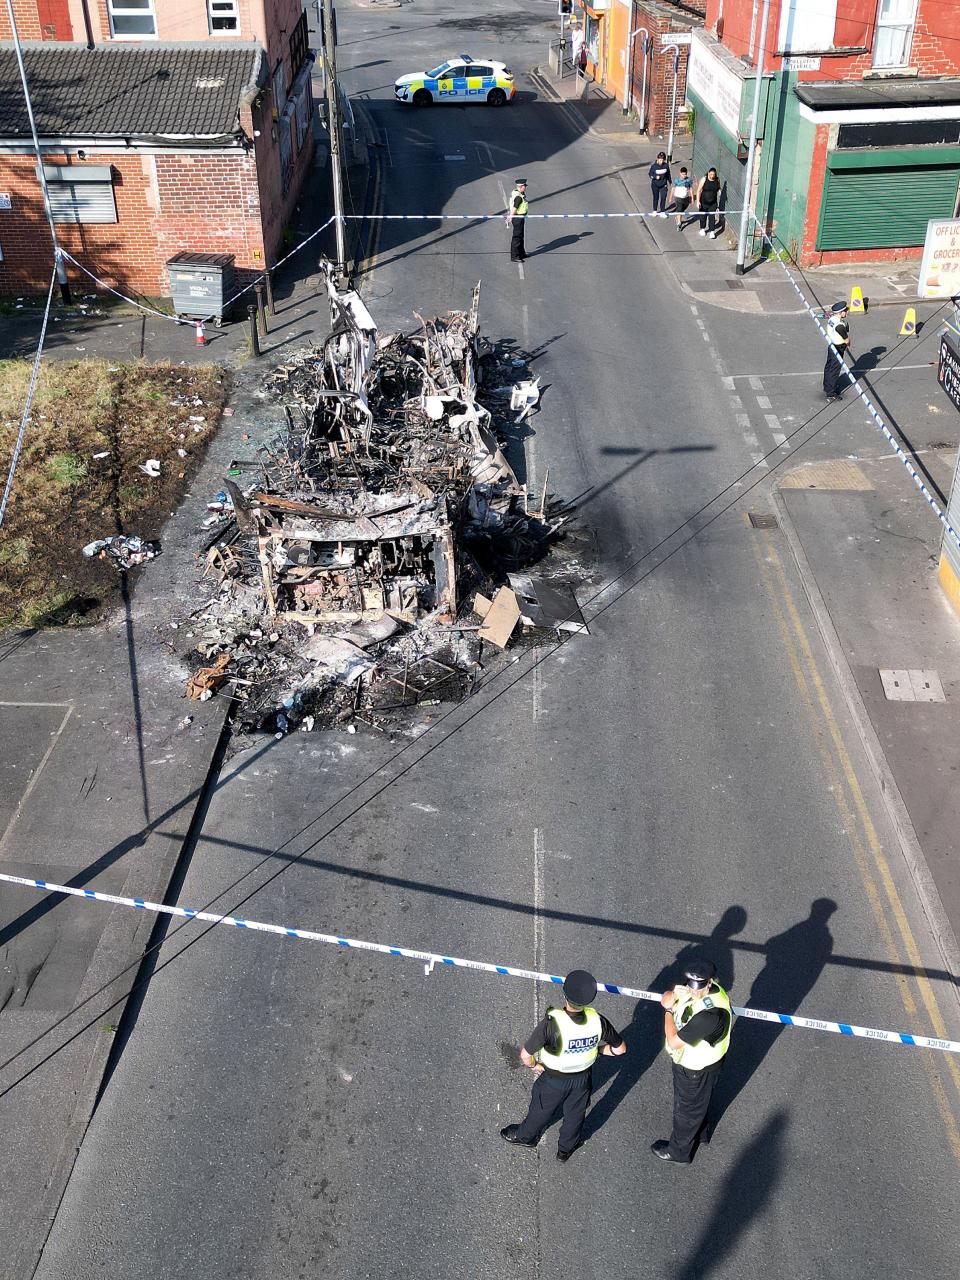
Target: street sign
x,y
940,265
675,37
948,369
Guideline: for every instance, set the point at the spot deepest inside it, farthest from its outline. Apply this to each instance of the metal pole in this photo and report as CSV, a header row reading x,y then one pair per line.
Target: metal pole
x,y
673,99
268,285
752,150
252,329
643,87
61,269
333,123
261,309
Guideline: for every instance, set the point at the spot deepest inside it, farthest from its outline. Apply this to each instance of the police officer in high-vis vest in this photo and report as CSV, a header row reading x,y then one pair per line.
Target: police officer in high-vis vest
x,y
697,1025
516,219
561,1053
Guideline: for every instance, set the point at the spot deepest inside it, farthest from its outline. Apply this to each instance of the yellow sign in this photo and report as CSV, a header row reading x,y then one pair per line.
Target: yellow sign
x,y
856,298
940,265
909,327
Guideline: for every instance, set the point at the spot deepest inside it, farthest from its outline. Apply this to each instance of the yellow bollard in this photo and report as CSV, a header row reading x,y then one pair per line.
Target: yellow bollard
x,y
856,299
909,327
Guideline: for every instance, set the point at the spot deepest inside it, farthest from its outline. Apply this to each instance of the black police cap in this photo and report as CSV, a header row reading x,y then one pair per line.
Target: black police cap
x,y
700,973
580,987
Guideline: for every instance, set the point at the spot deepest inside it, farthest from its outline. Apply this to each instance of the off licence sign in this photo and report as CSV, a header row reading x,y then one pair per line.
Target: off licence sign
x,y
940,266
948,369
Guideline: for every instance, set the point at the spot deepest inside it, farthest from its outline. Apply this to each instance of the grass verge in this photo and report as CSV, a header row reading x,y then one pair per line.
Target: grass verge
x,y
91,427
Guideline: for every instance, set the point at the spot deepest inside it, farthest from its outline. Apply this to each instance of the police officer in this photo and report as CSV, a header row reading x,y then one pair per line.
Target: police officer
x,y
561,1053
516,219
838,336
697,1025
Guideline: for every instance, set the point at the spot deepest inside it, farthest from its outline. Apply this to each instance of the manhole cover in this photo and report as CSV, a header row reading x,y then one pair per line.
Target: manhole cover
x,y
915,685
734,284
763,520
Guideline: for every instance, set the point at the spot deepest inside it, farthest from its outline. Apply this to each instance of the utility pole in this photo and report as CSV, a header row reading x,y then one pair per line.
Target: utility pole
x,y
62,280
752,150
673,98
336,137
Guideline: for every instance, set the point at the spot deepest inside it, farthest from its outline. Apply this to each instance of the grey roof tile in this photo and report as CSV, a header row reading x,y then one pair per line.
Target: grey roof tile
x,y
127,90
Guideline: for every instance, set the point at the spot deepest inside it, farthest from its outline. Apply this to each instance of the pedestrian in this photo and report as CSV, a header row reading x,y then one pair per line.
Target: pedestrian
x,y
838,340
682,196
583,58
697,1025
516,219
708,200
561,1053
659,175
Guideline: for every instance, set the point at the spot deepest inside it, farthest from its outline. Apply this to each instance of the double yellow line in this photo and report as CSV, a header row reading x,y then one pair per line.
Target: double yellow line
x,y
854,813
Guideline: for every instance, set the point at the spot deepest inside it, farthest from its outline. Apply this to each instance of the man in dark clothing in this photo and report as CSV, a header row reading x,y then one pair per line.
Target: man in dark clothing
x,y
838,336
516,220
696,1026
659,175
561,1053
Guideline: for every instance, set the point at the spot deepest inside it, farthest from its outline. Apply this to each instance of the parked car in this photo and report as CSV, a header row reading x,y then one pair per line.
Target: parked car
x,y
459,79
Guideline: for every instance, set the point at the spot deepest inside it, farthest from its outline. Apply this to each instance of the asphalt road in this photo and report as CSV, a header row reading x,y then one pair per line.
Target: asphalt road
x,y
685,777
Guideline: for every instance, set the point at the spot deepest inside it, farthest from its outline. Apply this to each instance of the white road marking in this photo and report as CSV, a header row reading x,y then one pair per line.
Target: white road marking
x,y
536,691
760,461
815,373
694,309
736,402
755,383
728,384
538,900
763,402
743,421
773,422
522,276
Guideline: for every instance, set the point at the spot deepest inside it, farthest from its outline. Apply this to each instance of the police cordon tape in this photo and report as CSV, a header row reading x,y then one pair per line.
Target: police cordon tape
x,y
868,403
430,959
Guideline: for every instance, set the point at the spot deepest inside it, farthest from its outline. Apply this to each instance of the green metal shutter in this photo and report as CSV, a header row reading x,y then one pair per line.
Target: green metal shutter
x,y
884,208
710,150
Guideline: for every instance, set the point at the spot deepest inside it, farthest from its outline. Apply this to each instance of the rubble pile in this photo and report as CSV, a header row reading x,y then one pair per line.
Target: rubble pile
x,y
371,563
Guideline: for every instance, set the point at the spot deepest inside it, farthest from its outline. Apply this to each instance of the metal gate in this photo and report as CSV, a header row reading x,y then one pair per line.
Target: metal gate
x,y
710,150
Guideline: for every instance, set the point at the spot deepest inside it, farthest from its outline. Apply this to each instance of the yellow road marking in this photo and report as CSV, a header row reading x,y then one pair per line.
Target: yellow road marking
x,y
807,674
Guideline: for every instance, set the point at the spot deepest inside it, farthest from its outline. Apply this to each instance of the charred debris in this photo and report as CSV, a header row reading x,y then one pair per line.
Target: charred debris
x,y
380,554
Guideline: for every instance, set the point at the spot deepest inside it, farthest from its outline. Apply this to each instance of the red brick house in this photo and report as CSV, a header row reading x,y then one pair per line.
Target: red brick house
x,y
163,127
859,127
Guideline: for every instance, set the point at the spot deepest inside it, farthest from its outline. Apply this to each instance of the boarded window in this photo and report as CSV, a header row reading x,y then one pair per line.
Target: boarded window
x,y
805,27
81,193
286,152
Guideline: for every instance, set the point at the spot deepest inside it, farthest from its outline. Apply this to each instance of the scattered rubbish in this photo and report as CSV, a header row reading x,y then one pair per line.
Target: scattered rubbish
x,y
151,467
362,559
104,453
125,550
524,397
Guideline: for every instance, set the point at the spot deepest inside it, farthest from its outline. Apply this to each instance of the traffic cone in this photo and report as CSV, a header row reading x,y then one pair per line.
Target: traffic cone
x,y
909,327
201,336
856,299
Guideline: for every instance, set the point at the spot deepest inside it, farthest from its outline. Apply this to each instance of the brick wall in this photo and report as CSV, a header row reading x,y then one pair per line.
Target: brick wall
x,y
37,20
660,20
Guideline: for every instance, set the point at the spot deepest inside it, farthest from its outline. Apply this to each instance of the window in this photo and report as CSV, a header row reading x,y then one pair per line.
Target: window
x,y
806,27
81,193
299,45
894,37
132,19
279,87
223,15
479,70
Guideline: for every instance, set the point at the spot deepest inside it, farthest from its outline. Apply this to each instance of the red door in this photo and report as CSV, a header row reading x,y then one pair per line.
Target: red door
x,y
54,16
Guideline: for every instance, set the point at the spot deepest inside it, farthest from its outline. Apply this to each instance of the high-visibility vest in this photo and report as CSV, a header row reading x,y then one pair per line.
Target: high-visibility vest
x,y
579,1042
521,210
702,1054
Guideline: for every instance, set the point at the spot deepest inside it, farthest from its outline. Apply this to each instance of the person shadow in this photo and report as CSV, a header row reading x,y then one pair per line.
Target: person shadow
x,y
644,1035
747,1190
794,961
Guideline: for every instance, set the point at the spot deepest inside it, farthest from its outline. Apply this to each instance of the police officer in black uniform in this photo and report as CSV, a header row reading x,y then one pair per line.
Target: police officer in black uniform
x,y
561,1053
696,1025
838,338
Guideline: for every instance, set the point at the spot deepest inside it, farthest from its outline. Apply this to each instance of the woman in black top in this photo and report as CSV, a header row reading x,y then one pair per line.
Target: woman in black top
x,y
708,198
659,173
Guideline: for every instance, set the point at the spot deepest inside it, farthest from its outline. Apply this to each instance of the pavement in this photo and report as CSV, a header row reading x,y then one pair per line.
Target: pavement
x,y
696,774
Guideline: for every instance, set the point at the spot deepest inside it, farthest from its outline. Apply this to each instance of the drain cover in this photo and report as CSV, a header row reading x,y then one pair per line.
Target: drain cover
x,y
763,520
912,686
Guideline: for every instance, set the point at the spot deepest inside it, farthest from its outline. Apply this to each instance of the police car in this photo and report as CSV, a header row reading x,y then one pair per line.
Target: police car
x,y
460,79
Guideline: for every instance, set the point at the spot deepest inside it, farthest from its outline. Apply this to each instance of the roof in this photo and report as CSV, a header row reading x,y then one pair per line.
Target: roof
x,y
127,90
822,96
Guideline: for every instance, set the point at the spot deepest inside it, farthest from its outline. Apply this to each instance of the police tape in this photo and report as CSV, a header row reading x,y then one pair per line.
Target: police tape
x,y
867,402
430,959
690,215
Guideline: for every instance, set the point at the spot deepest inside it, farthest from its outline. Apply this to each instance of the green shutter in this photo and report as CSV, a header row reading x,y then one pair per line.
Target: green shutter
x,y
884,208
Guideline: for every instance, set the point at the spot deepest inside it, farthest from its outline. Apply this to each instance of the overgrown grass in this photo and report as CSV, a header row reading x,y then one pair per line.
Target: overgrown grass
x,y
65,495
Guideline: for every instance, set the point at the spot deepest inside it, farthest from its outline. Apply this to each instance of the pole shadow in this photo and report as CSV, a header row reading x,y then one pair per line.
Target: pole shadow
x,y
746,1192
644,1035
794,961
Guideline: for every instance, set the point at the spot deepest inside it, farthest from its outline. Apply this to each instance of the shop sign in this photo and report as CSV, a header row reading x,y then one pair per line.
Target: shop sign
x,y
675,37
948,369
5,201
717,86
940,265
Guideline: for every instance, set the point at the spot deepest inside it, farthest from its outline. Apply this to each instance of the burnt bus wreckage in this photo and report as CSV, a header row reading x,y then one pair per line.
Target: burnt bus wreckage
x,y
387,537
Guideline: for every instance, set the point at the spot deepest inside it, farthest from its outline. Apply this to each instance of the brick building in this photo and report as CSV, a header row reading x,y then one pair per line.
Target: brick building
x,y
859,120
638,41
163,126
